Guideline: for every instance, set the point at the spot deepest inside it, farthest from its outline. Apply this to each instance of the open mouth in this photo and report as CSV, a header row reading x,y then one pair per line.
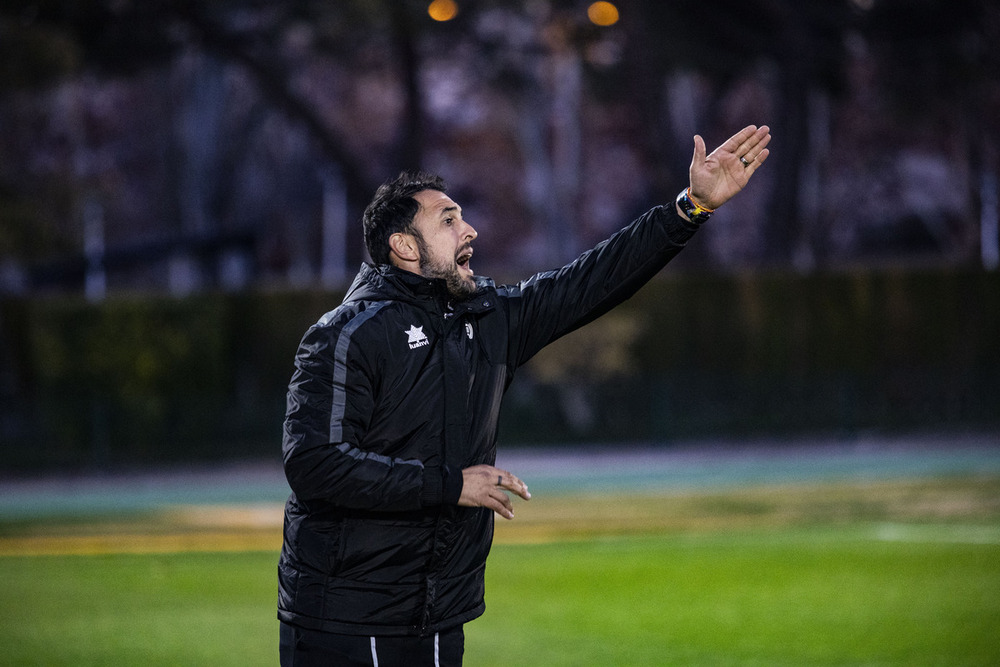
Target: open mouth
x,y
463,259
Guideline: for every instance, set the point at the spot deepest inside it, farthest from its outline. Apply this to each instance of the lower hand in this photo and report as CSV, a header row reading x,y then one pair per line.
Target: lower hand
x,y
486,486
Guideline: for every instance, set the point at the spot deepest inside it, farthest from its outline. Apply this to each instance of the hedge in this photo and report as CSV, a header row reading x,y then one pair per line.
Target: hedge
x,y
136,380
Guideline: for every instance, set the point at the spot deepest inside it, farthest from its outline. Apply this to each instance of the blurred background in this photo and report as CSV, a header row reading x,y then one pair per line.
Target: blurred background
x,y
181,185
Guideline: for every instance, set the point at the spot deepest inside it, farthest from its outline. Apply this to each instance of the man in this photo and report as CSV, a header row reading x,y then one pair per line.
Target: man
x,y
391,425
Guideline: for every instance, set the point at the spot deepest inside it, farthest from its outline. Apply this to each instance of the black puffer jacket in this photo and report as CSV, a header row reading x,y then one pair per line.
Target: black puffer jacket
x,y
394,393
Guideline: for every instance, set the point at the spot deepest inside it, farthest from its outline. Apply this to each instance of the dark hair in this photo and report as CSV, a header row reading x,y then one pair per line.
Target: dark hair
x,y
392,209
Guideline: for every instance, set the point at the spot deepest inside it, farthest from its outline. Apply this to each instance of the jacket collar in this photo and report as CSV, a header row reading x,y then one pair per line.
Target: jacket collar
x,y
387,282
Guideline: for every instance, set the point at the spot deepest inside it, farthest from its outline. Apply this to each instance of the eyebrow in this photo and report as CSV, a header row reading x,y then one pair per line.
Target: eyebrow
x,y
450,209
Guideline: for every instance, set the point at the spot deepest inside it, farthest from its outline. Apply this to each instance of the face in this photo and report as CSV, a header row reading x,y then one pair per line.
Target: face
x,y
445,242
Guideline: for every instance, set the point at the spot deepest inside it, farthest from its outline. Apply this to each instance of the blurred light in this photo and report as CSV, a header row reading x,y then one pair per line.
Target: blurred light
x,y
443,10
602,13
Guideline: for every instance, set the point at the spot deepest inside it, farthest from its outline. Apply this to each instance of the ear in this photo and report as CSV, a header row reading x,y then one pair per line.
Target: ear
x,y
404,247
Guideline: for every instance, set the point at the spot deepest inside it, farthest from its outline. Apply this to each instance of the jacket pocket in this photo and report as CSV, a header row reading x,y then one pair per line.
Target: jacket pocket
x,y
316,545
464,542
386,551
459,596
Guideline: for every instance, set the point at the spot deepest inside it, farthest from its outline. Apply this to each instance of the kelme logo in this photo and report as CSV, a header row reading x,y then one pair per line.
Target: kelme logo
x,y
416,337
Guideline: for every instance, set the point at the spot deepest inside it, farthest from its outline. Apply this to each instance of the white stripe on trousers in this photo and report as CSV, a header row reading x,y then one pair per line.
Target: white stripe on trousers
x,y
437,651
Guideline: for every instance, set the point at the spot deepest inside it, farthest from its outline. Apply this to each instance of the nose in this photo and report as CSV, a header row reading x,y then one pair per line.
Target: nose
x,y
470,232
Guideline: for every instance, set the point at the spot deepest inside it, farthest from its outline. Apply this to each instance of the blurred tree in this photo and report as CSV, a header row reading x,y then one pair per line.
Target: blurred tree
x,y
941,66
190,118
274,43
800,45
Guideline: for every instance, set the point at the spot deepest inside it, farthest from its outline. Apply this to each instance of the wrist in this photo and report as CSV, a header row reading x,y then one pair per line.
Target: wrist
x,y
452,484
441,486
692,209
432,490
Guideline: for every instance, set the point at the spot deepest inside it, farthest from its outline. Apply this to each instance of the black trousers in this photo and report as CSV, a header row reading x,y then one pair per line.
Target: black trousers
x,y
313,648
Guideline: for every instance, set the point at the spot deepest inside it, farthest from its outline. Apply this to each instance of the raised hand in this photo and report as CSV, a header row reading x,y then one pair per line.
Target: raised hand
x,y
717,177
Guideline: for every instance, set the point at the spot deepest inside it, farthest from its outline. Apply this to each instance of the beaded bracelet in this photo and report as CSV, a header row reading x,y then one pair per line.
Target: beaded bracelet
x,y
692,209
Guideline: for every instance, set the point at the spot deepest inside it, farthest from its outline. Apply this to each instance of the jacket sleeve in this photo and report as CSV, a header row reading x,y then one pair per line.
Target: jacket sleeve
x,y
552,304
329,404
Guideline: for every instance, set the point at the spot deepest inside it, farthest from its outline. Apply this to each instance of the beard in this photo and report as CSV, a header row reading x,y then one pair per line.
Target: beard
x,y
458,286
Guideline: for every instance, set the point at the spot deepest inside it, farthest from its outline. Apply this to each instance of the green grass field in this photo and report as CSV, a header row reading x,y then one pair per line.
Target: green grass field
x,y
903,572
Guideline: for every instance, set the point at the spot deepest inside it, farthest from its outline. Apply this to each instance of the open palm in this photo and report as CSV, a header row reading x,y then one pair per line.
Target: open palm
x,y
718,176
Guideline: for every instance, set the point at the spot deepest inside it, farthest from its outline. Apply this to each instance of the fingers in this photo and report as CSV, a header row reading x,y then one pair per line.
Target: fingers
x,y
756,151
754,144
510,482
734,143
501,504
756,161
754,148
487,486
493,497
740,142
700,152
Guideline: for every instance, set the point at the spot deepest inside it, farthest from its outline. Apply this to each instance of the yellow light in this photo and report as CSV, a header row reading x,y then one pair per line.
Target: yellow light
x,y
602,13
443,10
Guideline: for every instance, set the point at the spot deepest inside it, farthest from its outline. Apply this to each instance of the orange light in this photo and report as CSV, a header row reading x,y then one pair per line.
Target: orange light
x,y
443,10
602,13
